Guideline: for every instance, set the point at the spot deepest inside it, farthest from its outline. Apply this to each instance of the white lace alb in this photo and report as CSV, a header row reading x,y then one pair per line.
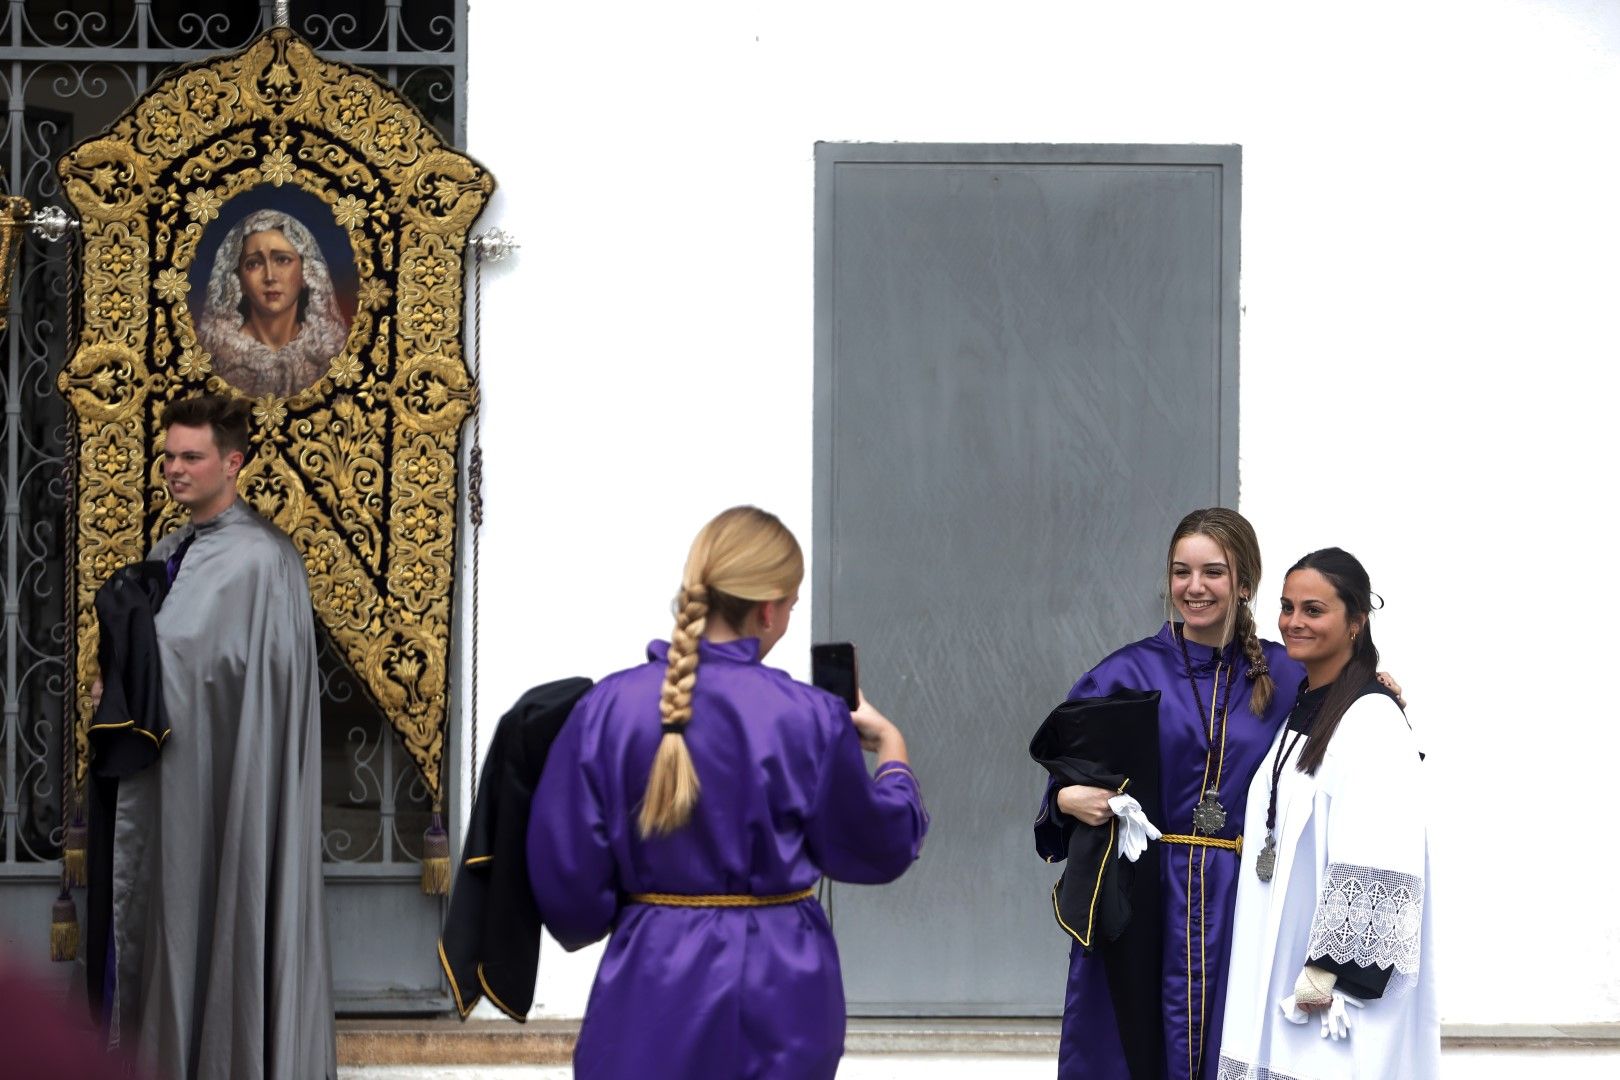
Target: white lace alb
x,y
1233,1069
1369,916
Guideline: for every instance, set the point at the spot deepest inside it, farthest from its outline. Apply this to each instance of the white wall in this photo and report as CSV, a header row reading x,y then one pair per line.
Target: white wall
x,y
1430,281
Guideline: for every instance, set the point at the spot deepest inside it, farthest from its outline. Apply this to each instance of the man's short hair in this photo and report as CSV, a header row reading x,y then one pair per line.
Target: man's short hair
x,y
227,415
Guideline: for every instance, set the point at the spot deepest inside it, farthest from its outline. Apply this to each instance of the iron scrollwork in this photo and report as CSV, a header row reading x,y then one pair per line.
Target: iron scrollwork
x,y
358,463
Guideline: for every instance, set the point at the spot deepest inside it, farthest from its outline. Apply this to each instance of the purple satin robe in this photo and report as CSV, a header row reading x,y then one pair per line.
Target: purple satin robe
x,y
786,797
1199,883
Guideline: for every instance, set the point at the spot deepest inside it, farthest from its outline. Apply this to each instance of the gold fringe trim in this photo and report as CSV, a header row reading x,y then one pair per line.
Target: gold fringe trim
x,y
73,862
64,930
436,876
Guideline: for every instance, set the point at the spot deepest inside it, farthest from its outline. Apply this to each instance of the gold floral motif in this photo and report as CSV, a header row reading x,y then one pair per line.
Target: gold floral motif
x,y
374,294
171,285
360,469
350,211
202,205
394,137
278,167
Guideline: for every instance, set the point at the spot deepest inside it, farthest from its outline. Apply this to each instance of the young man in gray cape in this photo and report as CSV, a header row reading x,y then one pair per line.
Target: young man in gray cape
x,y
219,920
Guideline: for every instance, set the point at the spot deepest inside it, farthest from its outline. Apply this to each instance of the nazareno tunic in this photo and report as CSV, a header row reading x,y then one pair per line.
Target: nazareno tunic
x,y
1198,885
1352,892
714,992
218,911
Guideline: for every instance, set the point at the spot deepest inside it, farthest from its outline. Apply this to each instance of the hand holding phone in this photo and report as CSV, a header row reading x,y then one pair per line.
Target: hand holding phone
x,y
833,668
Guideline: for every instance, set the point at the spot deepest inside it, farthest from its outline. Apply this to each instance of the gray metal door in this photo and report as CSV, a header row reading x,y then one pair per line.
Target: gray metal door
x,y
63,76
1026,372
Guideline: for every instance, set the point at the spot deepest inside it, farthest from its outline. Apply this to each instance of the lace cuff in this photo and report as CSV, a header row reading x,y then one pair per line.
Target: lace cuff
x,y
1369,916
1233,1069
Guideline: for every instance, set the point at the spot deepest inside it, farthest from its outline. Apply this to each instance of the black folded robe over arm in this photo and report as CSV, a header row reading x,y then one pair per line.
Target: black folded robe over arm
x,y
1107,904
491,941
127,733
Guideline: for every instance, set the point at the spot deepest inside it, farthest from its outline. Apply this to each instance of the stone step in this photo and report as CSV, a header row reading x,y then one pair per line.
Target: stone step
x,y
448,1041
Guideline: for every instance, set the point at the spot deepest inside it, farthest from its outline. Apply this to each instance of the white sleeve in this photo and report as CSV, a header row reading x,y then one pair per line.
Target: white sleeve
x,y
1370,911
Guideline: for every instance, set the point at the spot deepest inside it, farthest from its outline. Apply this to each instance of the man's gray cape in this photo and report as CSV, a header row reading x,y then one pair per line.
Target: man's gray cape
x,y
218,910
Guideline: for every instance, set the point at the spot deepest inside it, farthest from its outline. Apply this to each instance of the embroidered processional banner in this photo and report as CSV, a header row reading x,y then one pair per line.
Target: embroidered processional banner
x,y
192,205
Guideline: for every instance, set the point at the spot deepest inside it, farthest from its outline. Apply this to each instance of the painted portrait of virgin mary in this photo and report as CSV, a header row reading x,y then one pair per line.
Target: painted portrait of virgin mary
x,y
272,323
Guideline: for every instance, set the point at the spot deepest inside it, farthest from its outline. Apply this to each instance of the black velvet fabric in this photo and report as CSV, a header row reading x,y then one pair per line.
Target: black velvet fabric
x,y
126,736
491,940
130,724
1107,904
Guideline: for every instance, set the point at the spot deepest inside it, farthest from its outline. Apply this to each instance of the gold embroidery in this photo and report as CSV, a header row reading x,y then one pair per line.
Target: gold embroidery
x,y
360,466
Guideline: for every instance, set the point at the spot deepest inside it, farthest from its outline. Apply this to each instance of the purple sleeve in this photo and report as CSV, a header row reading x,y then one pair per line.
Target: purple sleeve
x,y
865,829
571,865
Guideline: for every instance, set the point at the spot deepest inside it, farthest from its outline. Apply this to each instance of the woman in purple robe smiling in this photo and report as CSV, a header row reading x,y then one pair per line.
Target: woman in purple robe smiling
x,y
1223,693
689,806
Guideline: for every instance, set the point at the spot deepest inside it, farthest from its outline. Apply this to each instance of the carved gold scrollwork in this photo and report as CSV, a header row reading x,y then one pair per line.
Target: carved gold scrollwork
x,y
357,466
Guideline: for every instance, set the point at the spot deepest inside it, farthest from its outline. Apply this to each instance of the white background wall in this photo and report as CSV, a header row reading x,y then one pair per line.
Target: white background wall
x,y
1431,276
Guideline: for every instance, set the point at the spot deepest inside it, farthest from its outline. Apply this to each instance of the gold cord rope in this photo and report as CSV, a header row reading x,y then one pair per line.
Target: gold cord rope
x,y
719,900
1203,841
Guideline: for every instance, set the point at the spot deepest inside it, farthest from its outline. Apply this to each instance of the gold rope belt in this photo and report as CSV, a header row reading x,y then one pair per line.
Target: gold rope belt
x,y
665,899
1204,841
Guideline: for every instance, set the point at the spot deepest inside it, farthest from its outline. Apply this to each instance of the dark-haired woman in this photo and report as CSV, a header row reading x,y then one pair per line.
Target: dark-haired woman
x,y
1223,693
690,805
1331,972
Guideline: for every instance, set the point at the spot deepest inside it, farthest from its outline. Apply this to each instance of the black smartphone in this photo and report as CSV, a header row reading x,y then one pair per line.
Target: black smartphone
x,y
833,668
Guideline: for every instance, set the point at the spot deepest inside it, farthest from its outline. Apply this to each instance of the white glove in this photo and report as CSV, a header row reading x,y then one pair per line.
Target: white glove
x,y
1336,1017
1135,830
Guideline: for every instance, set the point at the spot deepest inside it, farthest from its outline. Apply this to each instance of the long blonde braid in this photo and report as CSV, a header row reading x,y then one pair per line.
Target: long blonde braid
x,y
1259,672
744,555
672,786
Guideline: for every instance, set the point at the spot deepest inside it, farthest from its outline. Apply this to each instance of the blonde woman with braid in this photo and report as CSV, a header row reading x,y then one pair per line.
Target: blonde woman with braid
x,y
1222,695
688,808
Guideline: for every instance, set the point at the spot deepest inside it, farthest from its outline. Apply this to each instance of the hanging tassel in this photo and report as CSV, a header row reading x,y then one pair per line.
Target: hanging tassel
x,y
64,928
74,851
436,859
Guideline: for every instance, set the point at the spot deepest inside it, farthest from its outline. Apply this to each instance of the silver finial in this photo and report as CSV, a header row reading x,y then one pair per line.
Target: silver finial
x,y
52,223
494,245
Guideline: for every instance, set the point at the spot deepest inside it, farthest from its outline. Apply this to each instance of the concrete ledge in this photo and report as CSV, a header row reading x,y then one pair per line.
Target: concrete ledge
x,y
1531,1036
954,1036
448,1041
